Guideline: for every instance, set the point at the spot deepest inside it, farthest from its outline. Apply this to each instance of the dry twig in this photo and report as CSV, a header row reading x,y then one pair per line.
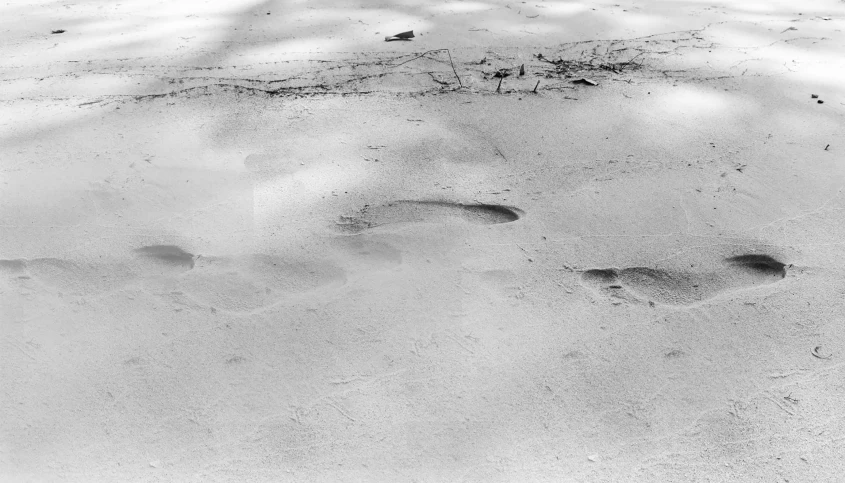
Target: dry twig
x,y
432,51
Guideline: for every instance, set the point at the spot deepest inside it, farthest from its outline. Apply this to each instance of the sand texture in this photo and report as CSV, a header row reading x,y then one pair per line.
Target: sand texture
x,y
254,241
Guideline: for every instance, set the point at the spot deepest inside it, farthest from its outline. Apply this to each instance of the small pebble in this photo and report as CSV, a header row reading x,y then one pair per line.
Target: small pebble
x,y
820,101
814,96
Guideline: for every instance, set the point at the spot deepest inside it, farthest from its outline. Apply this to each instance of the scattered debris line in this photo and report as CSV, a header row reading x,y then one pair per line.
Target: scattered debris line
x,y
430,52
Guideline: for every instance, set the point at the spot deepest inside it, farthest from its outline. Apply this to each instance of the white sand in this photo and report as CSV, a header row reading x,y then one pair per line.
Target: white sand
x,y
249,247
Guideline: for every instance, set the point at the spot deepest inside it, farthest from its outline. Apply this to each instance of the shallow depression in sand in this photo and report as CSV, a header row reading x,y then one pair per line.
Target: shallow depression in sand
x,y
407,211
12,266
80,277
762,265
170,255
678,287
254,281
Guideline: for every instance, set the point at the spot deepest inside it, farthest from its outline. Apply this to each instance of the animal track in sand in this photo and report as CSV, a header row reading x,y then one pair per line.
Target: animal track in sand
x,y
679,287
407,211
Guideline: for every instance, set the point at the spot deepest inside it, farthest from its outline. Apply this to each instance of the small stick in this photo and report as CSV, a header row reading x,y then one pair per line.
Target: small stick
x,y
498,88
417,57
453,69
825,148
535,87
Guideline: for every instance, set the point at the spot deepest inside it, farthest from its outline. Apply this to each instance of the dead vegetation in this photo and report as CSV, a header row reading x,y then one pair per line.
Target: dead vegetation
x,y
447,70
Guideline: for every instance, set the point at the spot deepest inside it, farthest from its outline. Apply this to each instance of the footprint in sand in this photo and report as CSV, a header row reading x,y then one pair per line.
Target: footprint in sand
x,y
365,254
79,277
99,276
233,283
678,287
405,211
242,284
13,267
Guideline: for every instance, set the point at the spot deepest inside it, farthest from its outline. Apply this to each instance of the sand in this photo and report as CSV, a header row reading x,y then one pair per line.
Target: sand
x,y
256,242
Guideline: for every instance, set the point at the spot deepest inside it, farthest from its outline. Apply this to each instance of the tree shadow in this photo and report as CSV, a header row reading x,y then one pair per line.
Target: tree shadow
x,y
283,48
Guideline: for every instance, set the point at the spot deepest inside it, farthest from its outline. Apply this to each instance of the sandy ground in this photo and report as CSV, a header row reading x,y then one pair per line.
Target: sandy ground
x,y
256,242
